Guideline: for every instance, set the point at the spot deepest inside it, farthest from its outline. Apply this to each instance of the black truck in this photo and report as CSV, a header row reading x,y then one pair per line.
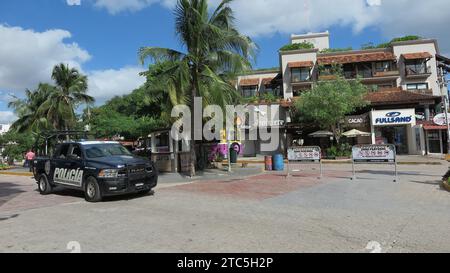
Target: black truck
x,y
98,168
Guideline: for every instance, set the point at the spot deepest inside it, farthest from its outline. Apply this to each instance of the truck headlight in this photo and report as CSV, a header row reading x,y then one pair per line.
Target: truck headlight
x,y
108,173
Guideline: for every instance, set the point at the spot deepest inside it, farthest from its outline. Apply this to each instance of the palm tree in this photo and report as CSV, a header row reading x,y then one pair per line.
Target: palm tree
x,y
214,49
27,108
70,92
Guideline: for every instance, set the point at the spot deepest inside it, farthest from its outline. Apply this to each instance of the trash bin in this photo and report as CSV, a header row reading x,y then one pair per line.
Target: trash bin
x,y
233,155
278,162
268,163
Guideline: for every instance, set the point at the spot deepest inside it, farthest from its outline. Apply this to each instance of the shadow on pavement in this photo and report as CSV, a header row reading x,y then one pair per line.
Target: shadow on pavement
x,y
7,189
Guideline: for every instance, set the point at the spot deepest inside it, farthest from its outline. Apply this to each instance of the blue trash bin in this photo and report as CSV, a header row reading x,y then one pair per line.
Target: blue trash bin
x,y
278,162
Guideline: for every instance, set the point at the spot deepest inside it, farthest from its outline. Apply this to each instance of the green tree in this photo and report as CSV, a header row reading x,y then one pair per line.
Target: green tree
x,y
26,109
15,145
329,102
70,91
214,50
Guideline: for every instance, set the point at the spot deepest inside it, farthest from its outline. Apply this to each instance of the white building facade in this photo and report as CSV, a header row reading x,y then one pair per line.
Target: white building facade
x,y
403,79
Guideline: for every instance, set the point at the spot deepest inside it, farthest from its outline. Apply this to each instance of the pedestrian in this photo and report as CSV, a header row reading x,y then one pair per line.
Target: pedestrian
x,y
29,157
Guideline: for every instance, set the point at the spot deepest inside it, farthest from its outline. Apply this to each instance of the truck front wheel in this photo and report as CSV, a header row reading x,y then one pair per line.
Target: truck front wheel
x,y
44,186
92,191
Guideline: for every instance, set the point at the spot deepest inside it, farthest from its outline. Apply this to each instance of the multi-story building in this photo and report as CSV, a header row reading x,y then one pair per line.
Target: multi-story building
x,y
404,79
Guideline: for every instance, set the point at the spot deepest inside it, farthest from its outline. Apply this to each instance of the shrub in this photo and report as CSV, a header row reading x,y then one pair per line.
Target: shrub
x,y
304,45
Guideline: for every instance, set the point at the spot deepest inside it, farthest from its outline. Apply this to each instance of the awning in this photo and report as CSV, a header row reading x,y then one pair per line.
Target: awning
x,y
249,82
320,134
417,56
301,64
267,81
434,127
356,133
356,58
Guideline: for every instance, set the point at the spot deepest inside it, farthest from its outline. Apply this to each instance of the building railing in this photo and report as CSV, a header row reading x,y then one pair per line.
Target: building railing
x,y
371,74
417,70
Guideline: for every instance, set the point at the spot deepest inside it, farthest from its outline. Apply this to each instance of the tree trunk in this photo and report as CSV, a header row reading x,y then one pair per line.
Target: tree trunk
x,y
193,157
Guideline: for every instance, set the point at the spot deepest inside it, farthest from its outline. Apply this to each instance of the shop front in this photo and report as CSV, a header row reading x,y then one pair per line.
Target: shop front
x,y
435,136
397,127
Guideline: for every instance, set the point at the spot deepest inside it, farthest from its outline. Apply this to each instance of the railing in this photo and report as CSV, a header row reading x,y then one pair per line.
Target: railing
x,y
417,70
300,79
371,74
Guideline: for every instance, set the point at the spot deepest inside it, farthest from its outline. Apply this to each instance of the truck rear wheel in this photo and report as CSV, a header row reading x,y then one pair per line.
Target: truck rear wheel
x,y
44,186
92,191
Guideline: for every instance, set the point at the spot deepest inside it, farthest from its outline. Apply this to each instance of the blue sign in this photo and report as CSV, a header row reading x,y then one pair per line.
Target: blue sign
x,y
394,118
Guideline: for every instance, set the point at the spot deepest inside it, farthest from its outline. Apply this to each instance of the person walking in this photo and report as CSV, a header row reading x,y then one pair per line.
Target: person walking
x,y
29,157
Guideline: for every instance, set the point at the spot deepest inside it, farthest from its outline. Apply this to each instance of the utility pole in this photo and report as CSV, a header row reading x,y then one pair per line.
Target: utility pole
x,y
444,86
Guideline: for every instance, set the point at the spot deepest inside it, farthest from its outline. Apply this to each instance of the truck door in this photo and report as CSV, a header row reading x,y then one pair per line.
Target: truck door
x,y
68,166
57,163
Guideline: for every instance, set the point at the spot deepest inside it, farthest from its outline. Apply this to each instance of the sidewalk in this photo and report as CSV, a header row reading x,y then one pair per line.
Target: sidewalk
x,y
402,160
175,178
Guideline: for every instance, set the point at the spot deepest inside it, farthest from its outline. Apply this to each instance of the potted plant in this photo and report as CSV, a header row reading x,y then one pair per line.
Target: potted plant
x,y
446,181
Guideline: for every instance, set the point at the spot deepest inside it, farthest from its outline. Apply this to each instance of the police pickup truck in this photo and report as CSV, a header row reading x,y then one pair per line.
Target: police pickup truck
x,y
98,168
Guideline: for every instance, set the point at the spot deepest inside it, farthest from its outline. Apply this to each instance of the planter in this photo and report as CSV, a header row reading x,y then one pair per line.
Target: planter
x,y
327,77
342,158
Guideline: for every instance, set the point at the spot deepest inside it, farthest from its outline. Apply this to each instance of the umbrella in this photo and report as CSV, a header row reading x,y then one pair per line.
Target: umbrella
x,y
356,133
319,134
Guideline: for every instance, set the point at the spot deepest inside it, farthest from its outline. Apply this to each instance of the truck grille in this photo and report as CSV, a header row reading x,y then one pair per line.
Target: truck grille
x,y
137,170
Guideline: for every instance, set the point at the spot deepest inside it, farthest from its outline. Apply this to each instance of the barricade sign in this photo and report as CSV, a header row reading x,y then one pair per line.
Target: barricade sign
x,y
312,154
374,154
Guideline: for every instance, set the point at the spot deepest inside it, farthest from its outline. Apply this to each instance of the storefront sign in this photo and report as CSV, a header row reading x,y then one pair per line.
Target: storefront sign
x,y
440,120
374,154
311,154
394,117
357,121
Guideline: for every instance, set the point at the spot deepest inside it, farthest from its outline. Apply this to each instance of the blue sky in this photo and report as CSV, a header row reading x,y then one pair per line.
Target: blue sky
x,y
102,37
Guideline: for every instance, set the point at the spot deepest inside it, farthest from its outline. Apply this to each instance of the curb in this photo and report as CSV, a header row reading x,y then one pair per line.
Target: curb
x,y
17,174
343,162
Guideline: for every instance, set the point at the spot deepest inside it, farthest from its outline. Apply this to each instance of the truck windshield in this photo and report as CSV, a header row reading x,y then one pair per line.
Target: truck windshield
x,y
104,150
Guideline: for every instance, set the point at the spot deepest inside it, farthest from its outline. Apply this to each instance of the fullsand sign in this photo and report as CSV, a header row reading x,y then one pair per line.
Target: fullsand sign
x,y
394,117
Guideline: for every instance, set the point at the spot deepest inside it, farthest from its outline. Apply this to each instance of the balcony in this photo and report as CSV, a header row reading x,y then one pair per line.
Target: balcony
x,y
417,72
369,74
327,77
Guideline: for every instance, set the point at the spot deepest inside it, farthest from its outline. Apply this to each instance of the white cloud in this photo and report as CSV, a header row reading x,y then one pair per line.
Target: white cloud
x,y
27,57
74,2
7,117
104,84
266,17
117,6
374,2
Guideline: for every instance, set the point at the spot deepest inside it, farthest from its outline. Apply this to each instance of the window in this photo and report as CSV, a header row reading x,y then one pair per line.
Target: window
x,y
62,151
415,67
249,91
417,86
272,89
300,74
104,150
364,70
383,66
74,152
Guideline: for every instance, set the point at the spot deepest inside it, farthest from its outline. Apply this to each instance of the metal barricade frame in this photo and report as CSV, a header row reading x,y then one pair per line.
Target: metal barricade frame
x,y
304,155
375,156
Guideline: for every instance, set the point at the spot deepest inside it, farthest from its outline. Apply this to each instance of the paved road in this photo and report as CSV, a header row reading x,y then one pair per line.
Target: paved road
x,y
260,213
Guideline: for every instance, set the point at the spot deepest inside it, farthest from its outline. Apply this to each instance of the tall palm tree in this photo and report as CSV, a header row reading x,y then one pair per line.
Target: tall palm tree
x,y
213,48
26,109
70,91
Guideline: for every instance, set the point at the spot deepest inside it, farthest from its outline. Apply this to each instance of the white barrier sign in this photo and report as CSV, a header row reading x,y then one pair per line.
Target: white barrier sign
x,y
374,154
304,154
366,154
